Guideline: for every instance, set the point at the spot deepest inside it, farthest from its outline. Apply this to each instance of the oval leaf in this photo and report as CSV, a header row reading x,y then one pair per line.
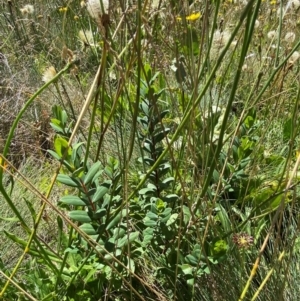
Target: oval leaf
x,y
100,192
88,229
64,179
91,173
80,216
72,200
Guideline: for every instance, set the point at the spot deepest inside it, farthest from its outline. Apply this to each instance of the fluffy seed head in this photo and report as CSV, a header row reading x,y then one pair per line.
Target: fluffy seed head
x,y
96,8
290,37
245,67
220,39
27,9
271,34
87,38
294,57
49,74
295,4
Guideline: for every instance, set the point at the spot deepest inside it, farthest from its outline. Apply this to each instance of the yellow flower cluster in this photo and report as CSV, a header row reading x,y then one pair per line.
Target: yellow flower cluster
x,y
63,9
193,17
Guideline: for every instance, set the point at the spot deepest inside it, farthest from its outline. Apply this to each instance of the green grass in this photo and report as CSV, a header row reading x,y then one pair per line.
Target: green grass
x,y
136,181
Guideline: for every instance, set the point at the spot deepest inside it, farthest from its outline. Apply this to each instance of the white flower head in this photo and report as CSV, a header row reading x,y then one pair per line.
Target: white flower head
x,y
245,67
281,11
294,57
220,39
48,75
27,9
271,34
86,37
295,4
243,2
290,37
257,23
233,44
97,8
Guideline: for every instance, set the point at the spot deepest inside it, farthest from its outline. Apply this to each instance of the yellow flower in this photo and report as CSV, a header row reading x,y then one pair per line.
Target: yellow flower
x,y
192,17
273,2
62,9
3,163
76,18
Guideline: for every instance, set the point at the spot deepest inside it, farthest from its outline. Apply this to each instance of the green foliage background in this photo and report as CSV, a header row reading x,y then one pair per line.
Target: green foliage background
x,y
152,158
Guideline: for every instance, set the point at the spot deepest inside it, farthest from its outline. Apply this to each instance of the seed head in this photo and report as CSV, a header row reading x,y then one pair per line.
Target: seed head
x,y
290,37
245,67
49,74
27,9
294,57
220,39
271,34
96,8
86,38
242,240
295,4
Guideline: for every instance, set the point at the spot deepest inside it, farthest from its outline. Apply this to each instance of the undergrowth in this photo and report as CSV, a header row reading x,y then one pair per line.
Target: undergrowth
x,y
149,150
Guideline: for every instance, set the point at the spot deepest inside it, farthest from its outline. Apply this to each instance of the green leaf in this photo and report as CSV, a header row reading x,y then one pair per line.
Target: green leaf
x,y
161,135
125,240
172,219
191,260
219,248
167,212
149,223
100,213
100,192
287,130
168,180
249,121
64,179
131,264
78,173
145,191
166,215
152,216
31,209
160,205
61,146
187,269
63,117
147,239
91,173
9,219
72,200
116,219
80,216
170,198
88,229
54,154
119,233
